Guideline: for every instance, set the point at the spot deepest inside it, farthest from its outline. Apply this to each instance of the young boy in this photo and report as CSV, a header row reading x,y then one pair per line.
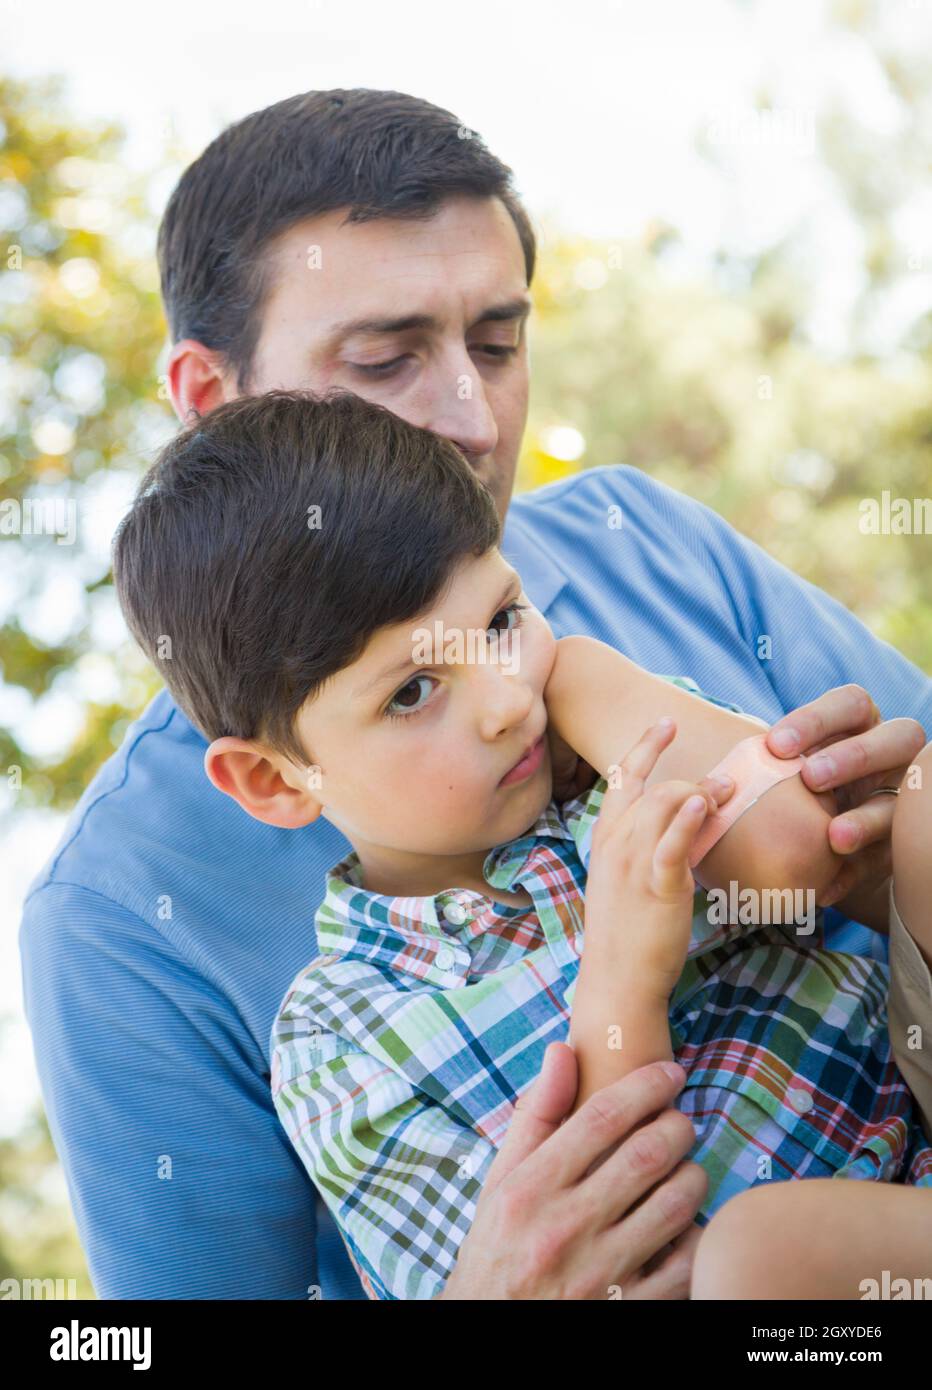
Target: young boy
x,y
450,939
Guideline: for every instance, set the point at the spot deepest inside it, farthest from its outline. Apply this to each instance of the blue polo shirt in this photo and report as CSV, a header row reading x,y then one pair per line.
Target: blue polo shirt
x,y
159,939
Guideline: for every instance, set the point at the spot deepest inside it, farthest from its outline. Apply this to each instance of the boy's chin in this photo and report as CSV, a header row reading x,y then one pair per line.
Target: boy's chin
x,y
528,811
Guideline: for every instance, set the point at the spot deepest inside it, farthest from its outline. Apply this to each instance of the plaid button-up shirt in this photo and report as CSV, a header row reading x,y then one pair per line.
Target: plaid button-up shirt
x,y
399,1052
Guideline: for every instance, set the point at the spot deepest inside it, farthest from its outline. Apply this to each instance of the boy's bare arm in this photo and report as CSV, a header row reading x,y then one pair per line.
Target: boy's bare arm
x,y
818,1239
638,914
599,702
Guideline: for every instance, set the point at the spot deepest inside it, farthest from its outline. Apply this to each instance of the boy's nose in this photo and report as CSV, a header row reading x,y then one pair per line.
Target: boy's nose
x,y
504,702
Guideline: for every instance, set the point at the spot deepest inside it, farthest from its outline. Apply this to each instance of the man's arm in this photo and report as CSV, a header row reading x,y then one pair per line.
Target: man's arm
x,y
181,1180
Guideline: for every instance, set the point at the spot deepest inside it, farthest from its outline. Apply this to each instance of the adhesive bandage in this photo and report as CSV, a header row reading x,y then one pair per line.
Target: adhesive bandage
x,y
755,770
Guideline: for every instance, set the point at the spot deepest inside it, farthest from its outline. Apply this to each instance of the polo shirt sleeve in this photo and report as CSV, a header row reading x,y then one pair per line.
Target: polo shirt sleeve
x,y
400,1175
182,1183
805,641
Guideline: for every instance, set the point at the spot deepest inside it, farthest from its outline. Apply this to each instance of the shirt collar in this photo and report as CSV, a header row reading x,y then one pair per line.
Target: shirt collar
x,y
419,934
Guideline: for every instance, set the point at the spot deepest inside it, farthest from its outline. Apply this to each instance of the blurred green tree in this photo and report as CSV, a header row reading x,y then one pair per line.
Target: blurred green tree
x,y
81,410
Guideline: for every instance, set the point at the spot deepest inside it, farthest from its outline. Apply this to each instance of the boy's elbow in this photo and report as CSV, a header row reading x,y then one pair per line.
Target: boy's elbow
x,y
780,844
802,856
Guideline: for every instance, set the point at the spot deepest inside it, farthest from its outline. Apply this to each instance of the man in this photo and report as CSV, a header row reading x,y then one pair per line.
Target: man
x,y
364,239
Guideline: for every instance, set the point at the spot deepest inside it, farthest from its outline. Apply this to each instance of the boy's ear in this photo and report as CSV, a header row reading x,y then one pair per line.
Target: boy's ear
x,y
253,777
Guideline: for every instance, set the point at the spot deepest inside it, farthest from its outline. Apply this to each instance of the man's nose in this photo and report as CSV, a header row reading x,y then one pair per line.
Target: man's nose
x,y
460,409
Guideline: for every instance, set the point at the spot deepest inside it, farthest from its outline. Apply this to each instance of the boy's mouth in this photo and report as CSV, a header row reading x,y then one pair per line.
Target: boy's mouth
x,y
527,764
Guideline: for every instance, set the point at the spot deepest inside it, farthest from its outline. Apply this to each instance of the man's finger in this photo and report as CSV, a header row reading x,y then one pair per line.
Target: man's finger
x,y
845,710
868,824
886,749
598,1128
670,1277
869,866
538,1112
665,1214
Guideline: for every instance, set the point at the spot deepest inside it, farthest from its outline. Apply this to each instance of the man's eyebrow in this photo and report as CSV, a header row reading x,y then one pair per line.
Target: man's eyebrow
x,y
505,312
400,667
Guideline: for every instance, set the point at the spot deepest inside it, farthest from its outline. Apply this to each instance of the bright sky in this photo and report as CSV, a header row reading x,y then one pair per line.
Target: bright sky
x,y
596,106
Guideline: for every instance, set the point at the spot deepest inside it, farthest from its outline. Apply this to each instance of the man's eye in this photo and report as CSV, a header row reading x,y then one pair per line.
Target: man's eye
x,y
407,710
377,369
495,350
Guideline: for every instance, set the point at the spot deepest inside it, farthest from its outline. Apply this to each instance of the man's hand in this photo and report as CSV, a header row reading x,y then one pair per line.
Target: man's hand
x,y
550,1225
852,752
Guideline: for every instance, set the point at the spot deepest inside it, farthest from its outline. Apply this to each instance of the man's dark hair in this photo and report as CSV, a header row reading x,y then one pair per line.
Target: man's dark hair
x,y
263,598
378,154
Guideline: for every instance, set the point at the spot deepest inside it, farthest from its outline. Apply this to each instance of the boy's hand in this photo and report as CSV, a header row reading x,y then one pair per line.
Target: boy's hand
x,y
640,888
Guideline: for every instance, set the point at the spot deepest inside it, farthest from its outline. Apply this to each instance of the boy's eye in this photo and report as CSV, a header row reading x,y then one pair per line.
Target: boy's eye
x,y
515,609
410,705
407,698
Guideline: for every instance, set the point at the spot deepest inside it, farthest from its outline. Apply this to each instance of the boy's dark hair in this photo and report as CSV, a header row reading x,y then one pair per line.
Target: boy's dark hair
x,y
379,154
262,598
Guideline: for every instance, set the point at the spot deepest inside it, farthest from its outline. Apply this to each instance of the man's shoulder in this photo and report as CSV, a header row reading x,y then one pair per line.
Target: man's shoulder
x,y
607,481
124,801
587,485
618,499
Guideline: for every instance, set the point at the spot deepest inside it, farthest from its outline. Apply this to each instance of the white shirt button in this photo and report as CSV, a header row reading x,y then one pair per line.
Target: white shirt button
x,y
445,959
801,1101
455,914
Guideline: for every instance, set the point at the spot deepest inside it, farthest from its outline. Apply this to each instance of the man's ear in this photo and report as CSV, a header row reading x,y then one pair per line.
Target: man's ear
x,y
253,776
197,381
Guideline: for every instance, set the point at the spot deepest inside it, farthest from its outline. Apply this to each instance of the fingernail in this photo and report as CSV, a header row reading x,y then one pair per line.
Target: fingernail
x,y
723,780
674,1071
821,768
786,740
664,722
850,832
696,803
